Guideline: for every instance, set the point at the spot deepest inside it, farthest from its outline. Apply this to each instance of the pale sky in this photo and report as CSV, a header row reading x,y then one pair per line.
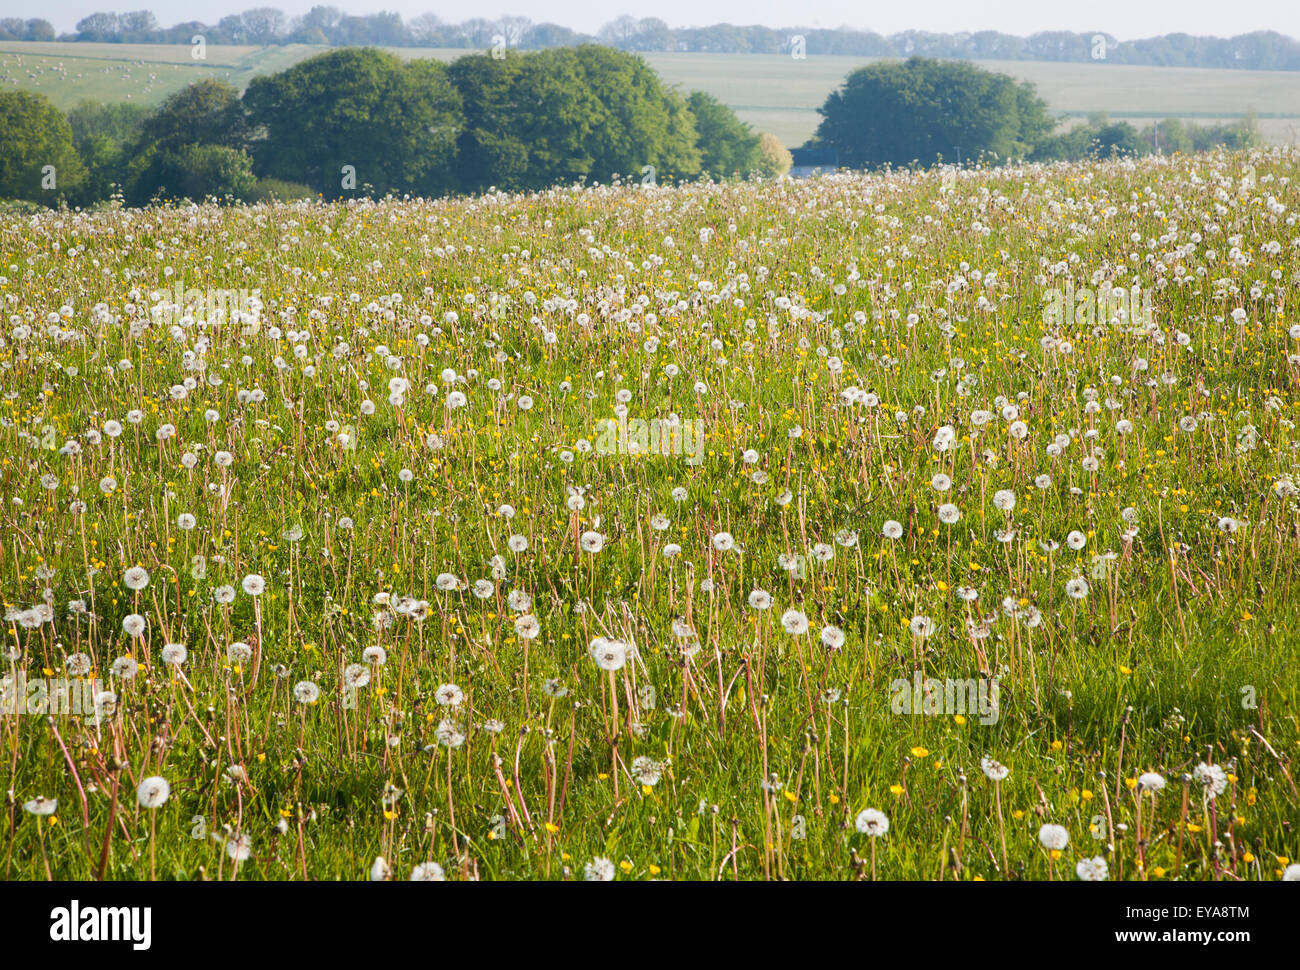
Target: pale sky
x,y
1124,19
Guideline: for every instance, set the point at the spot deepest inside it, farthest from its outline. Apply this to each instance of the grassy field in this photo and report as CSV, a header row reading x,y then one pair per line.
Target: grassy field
x,y
773,93
335,543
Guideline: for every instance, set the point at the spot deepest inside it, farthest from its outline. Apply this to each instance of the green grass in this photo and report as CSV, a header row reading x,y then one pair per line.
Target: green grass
x,y
769,745
771,92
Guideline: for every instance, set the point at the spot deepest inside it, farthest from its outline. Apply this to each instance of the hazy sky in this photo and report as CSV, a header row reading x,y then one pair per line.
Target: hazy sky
x,y
1125,19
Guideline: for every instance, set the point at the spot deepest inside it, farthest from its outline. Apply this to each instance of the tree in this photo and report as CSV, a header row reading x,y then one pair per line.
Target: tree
x,y
923,110
263,25
105,136
642,122
529,120
191,147
1166,137
135,27
653,35
37,29
514,29
204,113
39,162
727,145
194,171
98,27
541,36
426,29
1118,139
619,32
395,124
230,30
317,26
775,158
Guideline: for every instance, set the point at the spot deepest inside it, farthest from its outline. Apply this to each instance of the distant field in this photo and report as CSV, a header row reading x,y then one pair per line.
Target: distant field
x,y
140,73
772,92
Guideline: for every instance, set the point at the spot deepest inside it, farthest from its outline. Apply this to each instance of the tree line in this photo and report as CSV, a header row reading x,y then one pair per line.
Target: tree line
x,y
360,121
1260,50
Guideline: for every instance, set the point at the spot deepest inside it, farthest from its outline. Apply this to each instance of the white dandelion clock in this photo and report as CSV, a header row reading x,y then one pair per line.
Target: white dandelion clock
x,y
993,770
449,695
872,822
136,578
1077,588
1212,779
609,655
1092,870
41,806
1054,837
356,676
599,869
832,637
794,622
153,792
1150,781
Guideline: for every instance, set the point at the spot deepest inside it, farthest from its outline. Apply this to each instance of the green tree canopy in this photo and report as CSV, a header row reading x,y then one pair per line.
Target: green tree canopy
x,y
529,120
204,113
642,122
559,115
727,145
38,161
105,136
192,171
395,124
923,110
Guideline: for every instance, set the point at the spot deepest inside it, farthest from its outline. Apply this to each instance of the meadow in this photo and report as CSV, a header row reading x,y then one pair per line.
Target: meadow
x,y
772,93
934,525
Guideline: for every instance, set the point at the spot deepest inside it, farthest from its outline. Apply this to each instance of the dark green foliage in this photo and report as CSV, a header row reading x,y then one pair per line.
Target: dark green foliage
x,y
37,149
727,145
192,147
395,124
924,110
557,116
196,172
105,136
204,113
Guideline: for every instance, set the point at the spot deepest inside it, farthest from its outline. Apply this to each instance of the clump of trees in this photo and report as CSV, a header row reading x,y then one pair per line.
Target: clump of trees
x,y
395,124
923,111
892,113
15,28
360,121
1101,137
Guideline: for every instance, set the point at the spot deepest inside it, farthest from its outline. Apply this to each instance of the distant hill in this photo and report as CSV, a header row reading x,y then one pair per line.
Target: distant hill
x,y
1259,51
